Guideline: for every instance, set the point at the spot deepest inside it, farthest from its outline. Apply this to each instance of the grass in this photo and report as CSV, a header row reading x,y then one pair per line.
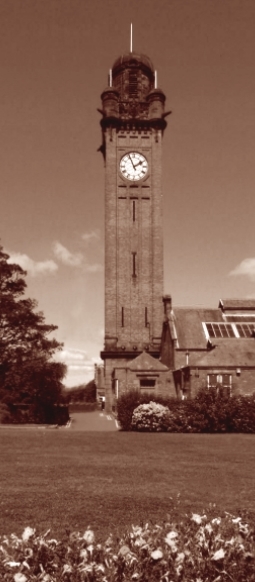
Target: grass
x,y
63,479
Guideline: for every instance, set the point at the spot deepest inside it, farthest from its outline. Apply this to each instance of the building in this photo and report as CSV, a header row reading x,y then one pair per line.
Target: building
x,y
149,345
213,348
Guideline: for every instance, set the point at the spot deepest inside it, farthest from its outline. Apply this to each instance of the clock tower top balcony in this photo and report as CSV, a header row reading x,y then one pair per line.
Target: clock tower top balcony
x,y
132,94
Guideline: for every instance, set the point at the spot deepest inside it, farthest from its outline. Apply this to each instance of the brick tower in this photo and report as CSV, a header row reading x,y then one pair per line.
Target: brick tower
x,y
132,127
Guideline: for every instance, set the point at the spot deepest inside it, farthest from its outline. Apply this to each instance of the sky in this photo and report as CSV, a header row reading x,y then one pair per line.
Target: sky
x,y
54,61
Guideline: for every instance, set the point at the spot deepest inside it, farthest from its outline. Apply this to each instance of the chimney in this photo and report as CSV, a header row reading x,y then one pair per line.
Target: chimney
x,y
167,300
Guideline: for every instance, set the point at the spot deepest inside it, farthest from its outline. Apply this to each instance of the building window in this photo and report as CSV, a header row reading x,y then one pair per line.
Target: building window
x,y
147,383
133,210
122,317
229,330
222,383
245,329
219,330
134,264
146,317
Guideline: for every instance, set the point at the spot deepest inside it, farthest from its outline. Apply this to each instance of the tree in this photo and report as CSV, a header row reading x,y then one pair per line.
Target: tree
x,y
82,393
28,375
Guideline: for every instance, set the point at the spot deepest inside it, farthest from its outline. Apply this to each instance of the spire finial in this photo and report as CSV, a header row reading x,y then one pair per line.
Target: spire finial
x,y
131,37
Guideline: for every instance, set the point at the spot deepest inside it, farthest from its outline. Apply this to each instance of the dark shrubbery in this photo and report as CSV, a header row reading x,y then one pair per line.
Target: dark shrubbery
x,y
82,393
208,412
127,403
83,407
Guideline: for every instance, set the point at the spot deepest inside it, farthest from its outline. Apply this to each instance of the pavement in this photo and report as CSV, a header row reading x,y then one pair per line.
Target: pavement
x,y
98,420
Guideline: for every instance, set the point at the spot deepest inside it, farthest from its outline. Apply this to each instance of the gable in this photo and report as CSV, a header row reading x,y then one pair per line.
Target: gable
x,y
145,362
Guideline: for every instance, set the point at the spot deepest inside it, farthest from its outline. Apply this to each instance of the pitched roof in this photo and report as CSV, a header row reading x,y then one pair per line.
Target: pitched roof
x,y
228,352
237,304
145,362
188,323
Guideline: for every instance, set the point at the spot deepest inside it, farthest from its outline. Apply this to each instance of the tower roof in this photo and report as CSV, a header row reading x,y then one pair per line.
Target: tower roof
x,y
133,59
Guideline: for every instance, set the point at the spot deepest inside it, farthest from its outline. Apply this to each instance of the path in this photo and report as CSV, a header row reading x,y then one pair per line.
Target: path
x,y
93,421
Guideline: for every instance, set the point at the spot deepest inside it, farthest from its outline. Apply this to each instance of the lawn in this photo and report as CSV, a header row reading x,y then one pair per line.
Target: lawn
x,y
63,479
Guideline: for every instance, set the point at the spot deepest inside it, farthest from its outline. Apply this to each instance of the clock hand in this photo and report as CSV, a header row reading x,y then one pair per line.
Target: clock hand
x,y
132,161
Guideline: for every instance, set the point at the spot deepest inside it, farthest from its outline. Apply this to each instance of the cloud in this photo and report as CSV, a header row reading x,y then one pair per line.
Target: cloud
x,y
66,257
246,268
72,355
90,236
74,259
96,268
33,268
80,369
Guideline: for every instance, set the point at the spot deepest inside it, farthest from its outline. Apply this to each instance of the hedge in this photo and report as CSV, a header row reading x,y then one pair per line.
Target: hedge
x,y
208,412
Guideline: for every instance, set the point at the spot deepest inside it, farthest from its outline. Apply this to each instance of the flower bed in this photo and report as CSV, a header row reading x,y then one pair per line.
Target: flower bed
x,y
200,548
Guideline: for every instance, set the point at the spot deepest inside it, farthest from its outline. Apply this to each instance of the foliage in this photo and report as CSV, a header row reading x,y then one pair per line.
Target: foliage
x,y
131,399
126,405
5,415
209,412
27,373
82,393
200,548
83,407
150,417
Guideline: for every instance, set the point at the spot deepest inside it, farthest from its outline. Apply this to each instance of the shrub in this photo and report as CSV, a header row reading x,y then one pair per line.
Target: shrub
x,y
213,412
209,412
126,405
5,415
131,399
198,548
83,407
150,417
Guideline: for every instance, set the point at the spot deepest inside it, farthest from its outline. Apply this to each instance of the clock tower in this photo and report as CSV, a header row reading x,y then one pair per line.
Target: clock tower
x,y
133,121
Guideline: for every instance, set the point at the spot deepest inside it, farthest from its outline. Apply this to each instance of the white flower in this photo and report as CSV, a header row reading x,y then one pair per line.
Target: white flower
x,y
13,564
172,535
197,518
84,555
208,528
180,558
140,542
19,577
237,519
27,533
171,539
243,528
67,568
137,530
216,520
88,536
124,551
157,555
219,555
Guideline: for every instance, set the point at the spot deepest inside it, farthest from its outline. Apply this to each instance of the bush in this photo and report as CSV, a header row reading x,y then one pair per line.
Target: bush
x,y
150,417
83,407
5,415
209,412
213,412
130,400
82,393
198,548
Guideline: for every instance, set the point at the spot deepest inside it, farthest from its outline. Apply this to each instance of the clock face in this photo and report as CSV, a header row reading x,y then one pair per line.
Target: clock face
x,y
133,166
